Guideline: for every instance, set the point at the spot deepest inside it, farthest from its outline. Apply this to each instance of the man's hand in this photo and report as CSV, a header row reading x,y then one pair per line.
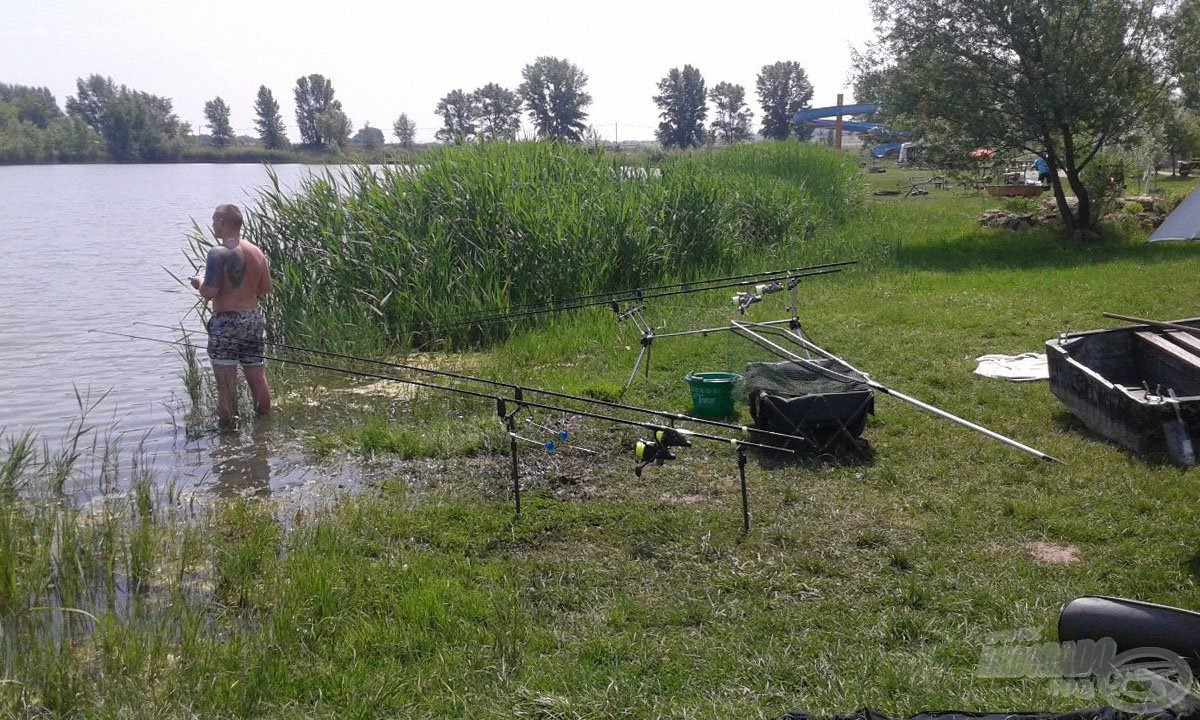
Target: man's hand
x,y
196,280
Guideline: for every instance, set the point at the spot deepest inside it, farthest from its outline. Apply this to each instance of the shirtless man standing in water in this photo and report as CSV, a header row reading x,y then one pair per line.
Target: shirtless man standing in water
x,y
236,274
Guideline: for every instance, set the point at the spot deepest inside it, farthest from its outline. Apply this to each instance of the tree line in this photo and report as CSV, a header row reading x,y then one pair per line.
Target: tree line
x,y
554,95
107,121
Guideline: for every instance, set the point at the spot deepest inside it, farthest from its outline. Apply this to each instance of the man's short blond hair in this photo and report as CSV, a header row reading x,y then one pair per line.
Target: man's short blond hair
x,y
230,214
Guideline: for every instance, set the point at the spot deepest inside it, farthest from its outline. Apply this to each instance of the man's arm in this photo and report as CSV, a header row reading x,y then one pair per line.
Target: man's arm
x,y
210,283
265,285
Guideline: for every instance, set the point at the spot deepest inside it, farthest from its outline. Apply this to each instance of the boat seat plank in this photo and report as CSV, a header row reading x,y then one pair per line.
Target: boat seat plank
x,y
1186,340
1175,367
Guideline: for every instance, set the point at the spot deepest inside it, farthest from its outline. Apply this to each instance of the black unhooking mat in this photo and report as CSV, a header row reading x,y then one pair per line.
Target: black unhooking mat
x,y
790,398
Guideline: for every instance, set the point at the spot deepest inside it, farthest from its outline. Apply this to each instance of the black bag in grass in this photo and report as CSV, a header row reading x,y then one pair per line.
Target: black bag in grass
x,y
828,410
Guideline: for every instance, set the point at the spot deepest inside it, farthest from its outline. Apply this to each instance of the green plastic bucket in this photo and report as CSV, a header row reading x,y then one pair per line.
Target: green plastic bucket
x,y
712,392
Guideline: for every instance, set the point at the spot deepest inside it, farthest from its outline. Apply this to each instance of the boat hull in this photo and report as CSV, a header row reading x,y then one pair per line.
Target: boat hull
x,y
1027,191
1115,382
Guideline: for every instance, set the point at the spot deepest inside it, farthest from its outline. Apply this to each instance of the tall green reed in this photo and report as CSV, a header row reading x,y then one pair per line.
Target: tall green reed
x,y
192,374
369,258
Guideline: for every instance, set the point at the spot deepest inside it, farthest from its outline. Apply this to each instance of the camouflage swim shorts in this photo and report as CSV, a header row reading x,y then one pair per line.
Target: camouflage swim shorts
x,y
237,337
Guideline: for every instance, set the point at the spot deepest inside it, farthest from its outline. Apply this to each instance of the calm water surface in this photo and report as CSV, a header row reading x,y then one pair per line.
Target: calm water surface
x,y
85,249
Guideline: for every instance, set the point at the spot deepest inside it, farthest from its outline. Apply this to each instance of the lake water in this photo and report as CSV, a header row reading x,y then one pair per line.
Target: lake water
x,y
85,250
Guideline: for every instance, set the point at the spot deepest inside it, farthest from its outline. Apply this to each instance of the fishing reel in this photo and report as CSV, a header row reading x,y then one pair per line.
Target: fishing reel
x,y
671,437
648,452
658,451
744,300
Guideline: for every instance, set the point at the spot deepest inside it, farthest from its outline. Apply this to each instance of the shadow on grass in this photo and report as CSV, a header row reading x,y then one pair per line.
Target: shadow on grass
x,y
1193,566
838,455
1064,420
1039,248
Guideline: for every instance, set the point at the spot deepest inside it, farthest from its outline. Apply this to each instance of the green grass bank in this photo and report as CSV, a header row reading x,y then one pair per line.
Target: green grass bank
x,y
875,583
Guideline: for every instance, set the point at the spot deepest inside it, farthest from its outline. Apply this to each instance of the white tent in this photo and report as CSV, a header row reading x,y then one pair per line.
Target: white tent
x,y
1183,223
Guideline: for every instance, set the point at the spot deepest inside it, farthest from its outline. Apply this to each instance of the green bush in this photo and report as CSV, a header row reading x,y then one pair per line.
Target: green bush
x,y
1104,178
1021,205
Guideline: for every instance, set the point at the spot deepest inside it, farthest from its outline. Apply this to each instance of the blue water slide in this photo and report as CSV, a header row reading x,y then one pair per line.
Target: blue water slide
x,y
807,115
847,125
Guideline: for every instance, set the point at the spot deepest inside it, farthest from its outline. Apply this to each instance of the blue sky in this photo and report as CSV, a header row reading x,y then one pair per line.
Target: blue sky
x,y
389,58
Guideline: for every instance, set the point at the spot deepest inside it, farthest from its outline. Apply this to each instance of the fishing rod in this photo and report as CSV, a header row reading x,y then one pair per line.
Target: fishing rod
x,y
639,293
1153,323
666,414
647,452
745,330
614,301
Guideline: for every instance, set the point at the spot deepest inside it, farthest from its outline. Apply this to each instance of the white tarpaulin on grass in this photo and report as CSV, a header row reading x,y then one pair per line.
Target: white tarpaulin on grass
x,y
1016,368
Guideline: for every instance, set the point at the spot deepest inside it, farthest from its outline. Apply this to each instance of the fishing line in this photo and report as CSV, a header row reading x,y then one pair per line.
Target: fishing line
x,y
603,298
613,300
665,414
516,399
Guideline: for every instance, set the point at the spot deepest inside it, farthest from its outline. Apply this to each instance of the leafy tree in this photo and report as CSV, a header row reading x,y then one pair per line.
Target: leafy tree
x,y
136,126
33,105
369,137
1181,133
319,117
90,99
1063,78
1183,28
19,141
459,111
139,127
732,124
499,111
405,131
34,130
871,73
334,127
268,121
783,88
683,106
217,114
73,140
553,94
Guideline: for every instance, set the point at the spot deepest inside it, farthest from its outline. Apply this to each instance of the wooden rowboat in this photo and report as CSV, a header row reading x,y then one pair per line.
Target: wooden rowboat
x,y
1118,381
1029,191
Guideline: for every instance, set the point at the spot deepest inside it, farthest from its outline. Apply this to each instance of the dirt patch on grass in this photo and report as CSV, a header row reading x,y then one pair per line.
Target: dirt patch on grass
x,y
1050,554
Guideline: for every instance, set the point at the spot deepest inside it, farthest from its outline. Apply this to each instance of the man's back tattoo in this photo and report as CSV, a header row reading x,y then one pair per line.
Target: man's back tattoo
x,y
232,262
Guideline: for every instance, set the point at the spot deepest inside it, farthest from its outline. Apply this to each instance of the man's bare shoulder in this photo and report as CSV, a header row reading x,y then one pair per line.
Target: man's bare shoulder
x,y
220,252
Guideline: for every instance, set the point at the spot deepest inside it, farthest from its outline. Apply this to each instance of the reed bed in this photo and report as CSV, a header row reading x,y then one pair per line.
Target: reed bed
x,y
830,180
394,256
